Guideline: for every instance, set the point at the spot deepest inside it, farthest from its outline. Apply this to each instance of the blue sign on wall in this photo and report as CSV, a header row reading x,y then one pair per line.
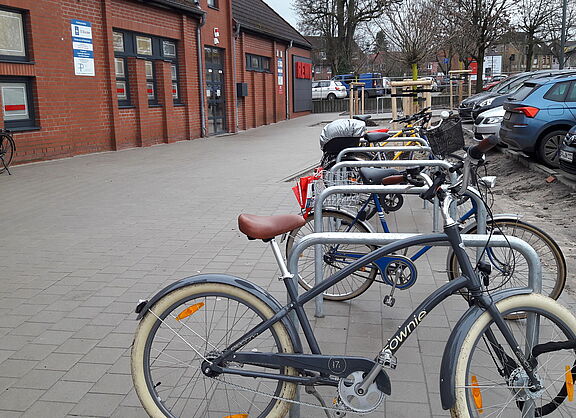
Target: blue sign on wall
x,y
82,47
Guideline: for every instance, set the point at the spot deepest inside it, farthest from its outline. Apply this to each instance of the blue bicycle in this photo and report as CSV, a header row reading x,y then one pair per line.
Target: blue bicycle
x,y
509,269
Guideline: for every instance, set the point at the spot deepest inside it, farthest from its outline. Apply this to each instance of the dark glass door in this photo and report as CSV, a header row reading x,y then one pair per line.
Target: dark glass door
x,y
215,90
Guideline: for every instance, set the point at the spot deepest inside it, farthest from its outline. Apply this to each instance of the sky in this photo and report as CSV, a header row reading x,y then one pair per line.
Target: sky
x,y
283,8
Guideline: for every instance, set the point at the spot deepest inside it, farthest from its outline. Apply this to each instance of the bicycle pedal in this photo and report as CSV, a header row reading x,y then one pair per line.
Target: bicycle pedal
x,y
389,300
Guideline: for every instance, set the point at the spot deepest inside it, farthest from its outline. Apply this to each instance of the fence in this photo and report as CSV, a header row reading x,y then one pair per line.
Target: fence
x,y
341,105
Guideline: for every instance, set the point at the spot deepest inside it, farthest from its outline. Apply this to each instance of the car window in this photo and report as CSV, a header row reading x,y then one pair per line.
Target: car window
x,y
571,97
324,84
557,92
523,92
314,85
338,83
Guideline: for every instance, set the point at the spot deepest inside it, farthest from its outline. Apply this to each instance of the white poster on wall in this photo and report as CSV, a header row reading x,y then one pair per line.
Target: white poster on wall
x,y
83,48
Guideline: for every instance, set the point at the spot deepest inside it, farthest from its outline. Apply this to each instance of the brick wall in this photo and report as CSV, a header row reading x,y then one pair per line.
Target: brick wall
x,y
80,114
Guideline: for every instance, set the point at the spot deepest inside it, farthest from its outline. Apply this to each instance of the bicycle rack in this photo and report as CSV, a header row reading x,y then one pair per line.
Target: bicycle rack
x,y
475,240
401,189
367,150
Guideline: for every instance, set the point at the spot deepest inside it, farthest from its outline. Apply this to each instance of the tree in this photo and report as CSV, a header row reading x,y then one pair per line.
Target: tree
x,y
484,21
552,31
533,17
337,21
412,28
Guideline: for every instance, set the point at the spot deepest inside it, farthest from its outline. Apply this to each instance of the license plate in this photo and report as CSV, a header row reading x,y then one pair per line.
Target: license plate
x,y
566,156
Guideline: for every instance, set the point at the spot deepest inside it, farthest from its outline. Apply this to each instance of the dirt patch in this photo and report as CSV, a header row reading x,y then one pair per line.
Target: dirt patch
x,y
550,206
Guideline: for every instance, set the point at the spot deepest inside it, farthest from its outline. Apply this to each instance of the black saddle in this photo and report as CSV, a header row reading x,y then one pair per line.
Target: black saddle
x,y
376,136
374,176
363,118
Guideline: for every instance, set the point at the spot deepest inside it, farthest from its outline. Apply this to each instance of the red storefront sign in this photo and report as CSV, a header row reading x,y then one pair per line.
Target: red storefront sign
x,y
304,70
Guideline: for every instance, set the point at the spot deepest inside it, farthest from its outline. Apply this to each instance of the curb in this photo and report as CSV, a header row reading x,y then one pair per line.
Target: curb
x,y
523,159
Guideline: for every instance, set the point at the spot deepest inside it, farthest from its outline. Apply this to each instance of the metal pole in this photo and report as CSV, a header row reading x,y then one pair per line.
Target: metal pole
x,y
563,34
364,150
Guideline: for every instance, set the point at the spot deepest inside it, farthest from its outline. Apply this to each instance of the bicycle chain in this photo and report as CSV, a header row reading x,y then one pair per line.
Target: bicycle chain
x,y
344,408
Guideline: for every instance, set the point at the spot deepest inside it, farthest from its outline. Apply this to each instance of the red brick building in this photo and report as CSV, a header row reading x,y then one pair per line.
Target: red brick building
x,y
98,75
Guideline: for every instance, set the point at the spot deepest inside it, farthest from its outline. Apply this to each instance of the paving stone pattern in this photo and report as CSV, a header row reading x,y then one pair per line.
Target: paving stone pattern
x,y
83,239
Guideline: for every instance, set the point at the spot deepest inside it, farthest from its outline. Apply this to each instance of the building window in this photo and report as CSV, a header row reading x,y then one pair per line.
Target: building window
x,y
257,63
130,44
213,3
17,103
12,36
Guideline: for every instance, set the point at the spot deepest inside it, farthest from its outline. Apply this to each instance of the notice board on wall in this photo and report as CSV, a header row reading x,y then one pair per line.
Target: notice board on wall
x,y
302,84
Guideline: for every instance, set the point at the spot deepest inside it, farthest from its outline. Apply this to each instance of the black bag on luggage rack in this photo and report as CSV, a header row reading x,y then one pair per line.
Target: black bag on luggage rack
x,y
447,138
339,135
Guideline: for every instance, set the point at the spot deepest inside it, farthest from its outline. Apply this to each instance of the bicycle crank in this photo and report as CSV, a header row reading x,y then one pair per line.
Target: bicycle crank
x,y
361,404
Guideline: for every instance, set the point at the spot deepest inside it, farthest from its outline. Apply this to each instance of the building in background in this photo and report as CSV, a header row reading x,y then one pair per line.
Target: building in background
x,y
96,75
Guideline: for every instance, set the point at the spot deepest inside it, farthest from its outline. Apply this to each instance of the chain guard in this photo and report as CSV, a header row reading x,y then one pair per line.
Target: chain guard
x,y
393,265
359,403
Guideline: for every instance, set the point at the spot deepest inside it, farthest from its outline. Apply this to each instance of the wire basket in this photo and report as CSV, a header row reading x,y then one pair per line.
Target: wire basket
x,y
343,177
447,138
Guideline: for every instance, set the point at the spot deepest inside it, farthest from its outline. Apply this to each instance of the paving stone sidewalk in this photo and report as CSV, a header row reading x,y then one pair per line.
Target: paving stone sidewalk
x,y
83,239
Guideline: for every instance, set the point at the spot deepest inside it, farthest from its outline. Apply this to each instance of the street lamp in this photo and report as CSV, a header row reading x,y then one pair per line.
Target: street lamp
x,y
563,34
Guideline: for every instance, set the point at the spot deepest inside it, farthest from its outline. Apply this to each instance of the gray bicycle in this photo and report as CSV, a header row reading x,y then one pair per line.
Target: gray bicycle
x,y
215,345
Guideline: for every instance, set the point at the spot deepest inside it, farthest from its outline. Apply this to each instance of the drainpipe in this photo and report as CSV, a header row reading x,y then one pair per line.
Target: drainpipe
x,y
201,75
287,78
234,80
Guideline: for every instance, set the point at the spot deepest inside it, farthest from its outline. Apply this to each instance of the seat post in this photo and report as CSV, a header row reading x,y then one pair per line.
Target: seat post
x,y
280,259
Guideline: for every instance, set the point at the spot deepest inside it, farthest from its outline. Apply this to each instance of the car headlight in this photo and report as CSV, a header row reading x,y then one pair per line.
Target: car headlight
x,y
493,120
486,102
570,139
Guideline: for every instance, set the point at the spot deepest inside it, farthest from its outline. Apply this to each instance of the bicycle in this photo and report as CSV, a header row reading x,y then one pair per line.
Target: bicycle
x,y
218,345
7,150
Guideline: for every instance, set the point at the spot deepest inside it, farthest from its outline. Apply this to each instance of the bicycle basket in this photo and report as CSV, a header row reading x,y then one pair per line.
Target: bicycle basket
x,y
447,138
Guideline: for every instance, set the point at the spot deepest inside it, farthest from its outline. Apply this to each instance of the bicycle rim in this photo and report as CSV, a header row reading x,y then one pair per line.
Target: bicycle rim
x,y
510,268
6,152
484,392
168,354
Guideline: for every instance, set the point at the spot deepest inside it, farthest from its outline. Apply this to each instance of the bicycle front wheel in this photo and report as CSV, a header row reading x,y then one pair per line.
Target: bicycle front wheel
x,y
193,325
510,268
490,382
7,148
335,257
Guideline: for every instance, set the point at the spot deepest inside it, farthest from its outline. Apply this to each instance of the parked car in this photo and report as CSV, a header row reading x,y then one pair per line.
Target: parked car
x,y
485,98
539,115
328,89
567,157
492,83
488,123
496,100
372,82
386,86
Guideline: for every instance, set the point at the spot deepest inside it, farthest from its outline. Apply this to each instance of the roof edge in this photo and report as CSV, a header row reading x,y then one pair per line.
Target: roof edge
x,y
288,23
167,3
258,31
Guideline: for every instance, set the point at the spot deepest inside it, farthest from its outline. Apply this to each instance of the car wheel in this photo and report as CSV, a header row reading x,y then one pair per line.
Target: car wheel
x,y
331,96
549,148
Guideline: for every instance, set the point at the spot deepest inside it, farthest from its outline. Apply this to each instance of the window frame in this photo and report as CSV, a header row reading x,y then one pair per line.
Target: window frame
x,y
213,4
260,68
24,22
157,44
31,122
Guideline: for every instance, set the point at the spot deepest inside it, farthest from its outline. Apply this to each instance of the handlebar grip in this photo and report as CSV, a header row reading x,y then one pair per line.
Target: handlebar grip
x,y
477,151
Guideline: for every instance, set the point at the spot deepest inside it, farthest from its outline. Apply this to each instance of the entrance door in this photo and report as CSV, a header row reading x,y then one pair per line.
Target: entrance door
x,y
215,90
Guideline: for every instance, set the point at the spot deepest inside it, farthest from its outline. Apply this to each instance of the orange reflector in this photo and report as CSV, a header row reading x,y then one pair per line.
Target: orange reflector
x,y
237,416
477,395
569,384
189,311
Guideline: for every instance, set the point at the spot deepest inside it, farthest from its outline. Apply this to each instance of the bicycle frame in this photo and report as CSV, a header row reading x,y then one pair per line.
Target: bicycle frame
x,y
319,363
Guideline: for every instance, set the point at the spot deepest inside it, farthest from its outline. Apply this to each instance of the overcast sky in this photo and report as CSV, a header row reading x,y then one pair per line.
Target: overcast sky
x,y
284,9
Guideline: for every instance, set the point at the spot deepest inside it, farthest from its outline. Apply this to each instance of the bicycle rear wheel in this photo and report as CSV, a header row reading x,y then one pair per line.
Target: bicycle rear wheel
x,y
489,387
335,258
192,325
7,148
509,268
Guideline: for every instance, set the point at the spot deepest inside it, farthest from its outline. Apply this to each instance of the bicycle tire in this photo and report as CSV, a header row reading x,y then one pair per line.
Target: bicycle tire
x,y
160,397
353,285
478,376
7,149
552,258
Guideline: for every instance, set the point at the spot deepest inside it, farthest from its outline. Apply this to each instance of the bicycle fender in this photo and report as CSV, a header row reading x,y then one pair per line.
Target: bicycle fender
x,y
238,282
499,217
455,342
